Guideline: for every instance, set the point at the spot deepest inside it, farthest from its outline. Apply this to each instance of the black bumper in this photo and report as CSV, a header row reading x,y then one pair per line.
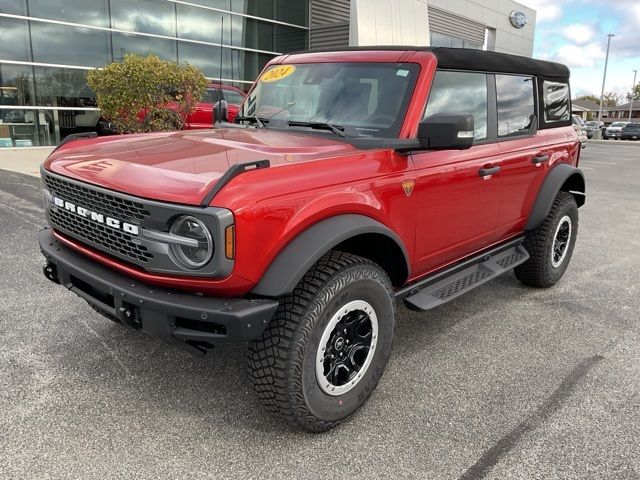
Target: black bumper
x,y
191,319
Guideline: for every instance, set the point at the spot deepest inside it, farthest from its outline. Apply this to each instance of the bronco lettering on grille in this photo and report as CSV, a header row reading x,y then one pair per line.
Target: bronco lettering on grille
x,y
96,217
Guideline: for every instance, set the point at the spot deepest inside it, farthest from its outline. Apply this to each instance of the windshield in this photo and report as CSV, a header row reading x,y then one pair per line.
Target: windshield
x,y
619,124
362,99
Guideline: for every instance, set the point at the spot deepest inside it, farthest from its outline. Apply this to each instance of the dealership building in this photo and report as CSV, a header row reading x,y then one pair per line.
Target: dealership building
x,y
47,46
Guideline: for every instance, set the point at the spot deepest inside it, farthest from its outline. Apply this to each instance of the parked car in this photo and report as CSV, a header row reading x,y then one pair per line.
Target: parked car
x,y
614,130
630,132
350,180
202,117
591,127
579,127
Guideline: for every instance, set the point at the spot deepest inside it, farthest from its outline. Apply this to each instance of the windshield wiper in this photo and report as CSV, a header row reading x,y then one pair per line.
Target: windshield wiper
x,y
252,118
337,129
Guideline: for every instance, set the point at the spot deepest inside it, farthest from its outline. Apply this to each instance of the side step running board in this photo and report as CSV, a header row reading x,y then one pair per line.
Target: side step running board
x,y
463,277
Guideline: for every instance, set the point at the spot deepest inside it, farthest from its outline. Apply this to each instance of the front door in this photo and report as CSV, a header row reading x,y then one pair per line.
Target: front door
x,y
457,191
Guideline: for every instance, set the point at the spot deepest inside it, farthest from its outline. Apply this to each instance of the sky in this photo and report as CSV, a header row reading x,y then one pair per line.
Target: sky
x,y
574,32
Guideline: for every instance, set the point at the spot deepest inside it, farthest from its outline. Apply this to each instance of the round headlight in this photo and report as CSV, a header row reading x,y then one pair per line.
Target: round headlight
x,y
194,248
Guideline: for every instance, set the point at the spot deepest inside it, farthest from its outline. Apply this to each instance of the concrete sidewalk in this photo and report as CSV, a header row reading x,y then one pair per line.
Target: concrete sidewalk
x,y
24,160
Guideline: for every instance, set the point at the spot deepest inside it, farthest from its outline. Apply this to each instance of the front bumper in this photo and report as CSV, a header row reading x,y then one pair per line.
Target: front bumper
x,y
191,320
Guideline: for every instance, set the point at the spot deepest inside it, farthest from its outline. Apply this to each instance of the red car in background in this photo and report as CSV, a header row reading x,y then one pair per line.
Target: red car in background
x,y
202,117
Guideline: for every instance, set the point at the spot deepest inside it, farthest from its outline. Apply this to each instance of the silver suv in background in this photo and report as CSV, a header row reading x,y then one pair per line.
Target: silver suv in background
x,y
614,130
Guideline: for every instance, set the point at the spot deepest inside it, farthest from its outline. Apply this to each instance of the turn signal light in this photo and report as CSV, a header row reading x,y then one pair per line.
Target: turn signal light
x,y
230,242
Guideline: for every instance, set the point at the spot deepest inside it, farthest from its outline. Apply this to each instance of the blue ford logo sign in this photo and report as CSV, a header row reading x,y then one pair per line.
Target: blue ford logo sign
x,y
518,19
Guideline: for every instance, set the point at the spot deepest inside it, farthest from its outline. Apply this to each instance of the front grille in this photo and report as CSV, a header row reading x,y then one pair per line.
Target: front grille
x,y
100,202
109,239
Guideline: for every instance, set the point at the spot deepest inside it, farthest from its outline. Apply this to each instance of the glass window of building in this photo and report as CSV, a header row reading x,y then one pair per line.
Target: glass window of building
x,y
200,24
123,43
516,108
14,39
14,7
66,45
292,11
257,8
16,84
460,92
85,12
146,16
63,87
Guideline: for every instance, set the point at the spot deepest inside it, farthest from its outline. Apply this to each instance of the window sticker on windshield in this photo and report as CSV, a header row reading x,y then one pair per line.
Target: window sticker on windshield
x,y
278,73
402,73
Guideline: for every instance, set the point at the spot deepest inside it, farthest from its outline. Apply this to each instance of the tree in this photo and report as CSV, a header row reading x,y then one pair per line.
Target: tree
x,y
635,94
611,99
592,98
163,93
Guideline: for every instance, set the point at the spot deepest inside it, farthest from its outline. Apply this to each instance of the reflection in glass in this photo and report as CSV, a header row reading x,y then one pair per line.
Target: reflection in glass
x,y
26,128
123,43
63,87
14,39
207,59
556,101
14,7
69,45
146,16
86,12
16,85
200,24
365,99
515,105
460,92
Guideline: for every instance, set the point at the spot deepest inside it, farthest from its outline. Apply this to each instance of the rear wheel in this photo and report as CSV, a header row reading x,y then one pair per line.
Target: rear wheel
x,y
326,347
550,245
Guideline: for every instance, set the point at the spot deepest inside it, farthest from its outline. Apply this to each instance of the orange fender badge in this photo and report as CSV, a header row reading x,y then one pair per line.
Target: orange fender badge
x,y
407,186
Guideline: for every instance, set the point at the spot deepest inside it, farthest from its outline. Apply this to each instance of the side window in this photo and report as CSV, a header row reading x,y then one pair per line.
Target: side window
x,y
516,108
460,92
211,96
556,101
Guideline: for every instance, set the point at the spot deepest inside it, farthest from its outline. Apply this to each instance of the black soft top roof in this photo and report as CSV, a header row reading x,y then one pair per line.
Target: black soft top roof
x,y
470,59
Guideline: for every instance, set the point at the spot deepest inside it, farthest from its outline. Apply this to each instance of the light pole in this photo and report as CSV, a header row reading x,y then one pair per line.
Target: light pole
x,y
598,132
635,72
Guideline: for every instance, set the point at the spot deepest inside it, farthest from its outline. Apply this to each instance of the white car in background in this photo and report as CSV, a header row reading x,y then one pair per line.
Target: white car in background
x,y
614,130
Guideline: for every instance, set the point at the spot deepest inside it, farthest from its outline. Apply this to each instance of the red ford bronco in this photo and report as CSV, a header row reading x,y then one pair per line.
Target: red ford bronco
x,y
350,180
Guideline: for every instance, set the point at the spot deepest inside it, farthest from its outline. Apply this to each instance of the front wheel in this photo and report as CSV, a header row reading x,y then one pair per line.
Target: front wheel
x,y
550,245
324,351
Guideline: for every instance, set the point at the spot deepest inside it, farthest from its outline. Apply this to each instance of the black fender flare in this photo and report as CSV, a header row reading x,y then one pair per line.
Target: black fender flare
x,y
552,185
303,251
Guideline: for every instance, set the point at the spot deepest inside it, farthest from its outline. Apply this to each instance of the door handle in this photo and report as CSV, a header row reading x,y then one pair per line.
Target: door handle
x,y
483,172
540,159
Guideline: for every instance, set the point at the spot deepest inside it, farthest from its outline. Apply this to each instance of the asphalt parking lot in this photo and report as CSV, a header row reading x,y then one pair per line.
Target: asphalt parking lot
x,y
507,382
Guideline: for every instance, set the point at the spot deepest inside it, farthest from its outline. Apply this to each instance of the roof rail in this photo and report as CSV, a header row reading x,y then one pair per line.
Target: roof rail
x,y
229,175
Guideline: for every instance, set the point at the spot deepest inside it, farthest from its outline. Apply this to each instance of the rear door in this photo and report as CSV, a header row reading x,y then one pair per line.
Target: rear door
x,y
457,191
525,155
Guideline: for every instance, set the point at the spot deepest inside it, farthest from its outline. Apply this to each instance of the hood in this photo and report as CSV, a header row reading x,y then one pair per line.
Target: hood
x,y
182,167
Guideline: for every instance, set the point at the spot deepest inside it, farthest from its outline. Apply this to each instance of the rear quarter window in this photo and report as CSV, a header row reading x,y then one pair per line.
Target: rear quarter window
x,y
556,101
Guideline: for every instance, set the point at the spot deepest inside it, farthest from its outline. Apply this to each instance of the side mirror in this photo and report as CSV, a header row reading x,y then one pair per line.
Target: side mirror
x,y
446,131
220,111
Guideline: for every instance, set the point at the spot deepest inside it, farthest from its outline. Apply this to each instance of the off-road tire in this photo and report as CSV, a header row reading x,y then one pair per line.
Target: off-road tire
x,y
539,270
282,363
105,314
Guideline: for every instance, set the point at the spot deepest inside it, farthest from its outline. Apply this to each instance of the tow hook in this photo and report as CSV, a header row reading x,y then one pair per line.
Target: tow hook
x,y
129,316
51,272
